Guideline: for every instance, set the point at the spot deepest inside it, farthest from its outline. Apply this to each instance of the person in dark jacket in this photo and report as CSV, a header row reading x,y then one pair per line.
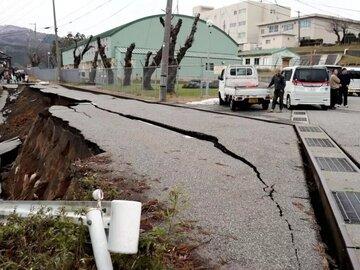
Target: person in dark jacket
x,y
279,83
344,77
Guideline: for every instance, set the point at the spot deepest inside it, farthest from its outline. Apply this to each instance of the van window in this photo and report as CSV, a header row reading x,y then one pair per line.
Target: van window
x,y
311,75
287,74
249,71
241,71
233,72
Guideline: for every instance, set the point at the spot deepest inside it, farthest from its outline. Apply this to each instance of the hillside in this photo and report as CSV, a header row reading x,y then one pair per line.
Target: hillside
x,y
16,41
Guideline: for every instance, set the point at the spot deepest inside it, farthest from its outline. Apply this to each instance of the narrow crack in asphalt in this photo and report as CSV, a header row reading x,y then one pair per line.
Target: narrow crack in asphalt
x,y
269,190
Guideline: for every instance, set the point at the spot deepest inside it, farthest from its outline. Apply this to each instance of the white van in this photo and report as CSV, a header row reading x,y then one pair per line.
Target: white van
x,y
238,85
354,86
306,86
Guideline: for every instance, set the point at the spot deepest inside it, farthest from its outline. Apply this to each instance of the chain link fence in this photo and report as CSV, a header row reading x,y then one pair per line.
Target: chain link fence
x,y
183,81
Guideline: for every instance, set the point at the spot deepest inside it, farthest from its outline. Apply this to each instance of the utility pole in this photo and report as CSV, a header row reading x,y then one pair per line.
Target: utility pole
x,y
165,52
298,12
58,59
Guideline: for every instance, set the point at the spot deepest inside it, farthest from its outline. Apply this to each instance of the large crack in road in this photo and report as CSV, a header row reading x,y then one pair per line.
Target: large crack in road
x,y
269,190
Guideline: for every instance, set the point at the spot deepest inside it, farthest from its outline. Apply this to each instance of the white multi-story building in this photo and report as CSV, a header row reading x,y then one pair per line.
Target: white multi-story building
x,y
284,33
241,20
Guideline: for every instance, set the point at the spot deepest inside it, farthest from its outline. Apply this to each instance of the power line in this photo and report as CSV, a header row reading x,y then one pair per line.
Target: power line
x,y
74,11
112,15
86,13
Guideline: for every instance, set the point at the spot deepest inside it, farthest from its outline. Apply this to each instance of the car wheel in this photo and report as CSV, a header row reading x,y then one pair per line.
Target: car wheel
x,y
288,103
221,101
233,105
265,105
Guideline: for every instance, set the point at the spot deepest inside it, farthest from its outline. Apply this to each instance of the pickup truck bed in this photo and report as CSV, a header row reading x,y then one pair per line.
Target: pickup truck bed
x,y
237,96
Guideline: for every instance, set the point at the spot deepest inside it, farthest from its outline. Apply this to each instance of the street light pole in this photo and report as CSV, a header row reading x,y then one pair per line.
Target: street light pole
x,y
58,59
298,27
165,52
209,23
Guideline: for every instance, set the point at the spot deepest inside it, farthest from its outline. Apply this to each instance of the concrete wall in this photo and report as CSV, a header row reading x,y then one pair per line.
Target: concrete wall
x,y
277,41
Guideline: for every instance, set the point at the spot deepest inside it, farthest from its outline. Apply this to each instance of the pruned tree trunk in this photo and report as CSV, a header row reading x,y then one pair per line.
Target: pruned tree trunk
x,y
79,57
150,69
128,65
106,62
92,74
175,62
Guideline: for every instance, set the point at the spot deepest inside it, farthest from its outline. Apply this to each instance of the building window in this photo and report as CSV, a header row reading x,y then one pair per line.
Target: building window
x,y
272,11
247,61
268,41
242,11
256,61
305,23
211,66
262,31
241,23
232,24
288,26
235,12
273,28
241,35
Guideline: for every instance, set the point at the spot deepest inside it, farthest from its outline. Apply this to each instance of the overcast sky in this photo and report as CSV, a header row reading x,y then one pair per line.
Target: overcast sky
x,y
96,16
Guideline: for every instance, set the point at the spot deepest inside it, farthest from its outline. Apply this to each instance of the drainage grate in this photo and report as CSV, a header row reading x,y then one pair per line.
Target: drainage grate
x,y
334,164
300,119
299,113
349,205
318,142
309,129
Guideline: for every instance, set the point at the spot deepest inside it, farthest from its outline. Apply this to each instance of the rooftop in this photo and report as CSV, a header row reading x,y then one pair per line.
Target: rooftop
x,y
262,52
315,15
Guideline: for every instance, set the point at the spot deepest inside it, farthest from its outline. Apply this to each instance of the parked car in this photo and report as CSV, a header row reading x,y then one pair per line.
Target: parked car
x,y
306,86
238,85
201,84
193,84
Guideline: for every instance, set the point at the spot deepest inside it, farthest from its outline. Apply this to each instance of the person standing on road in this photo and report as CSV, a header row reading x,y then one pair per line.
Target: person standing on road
x,y
279,83
344,81
334,88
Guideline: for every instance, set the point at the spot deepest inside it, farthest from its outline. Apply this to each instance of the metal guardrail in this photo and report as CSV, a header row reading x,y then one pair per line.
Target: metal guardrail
x,y
75,210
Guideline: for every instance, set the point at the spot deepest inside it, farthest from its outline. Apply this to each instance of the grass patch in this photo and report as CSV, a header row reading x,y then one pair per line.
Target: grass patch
x,y
41,241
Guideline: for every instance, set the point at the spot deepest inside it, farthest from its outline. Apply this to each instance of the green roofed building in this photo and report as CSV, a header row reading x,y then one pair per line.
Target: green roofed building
x,y
147,33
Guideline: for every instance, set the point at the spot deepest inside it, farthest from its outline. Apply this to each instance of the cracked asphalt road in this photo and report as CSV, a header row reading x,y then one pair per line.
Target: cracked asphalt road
x,y
243,178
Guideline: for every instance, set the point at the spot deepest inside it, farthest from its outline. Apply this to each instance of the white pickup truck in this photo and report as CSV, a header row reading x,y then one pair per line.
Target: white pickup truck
x,y
238,85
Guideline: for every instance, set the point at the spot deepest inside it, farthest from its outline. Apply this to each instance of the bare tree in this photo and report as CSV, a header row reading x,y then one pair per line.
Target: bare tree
x,y
106,61
344,28
149,69
94,66
79,57
128,64
34,59
175,62
335,28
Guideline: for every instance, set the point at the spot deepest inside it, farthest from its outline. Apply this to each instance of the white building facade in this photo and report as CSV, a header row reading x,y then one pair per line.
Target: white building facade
x,y
284,33
241,20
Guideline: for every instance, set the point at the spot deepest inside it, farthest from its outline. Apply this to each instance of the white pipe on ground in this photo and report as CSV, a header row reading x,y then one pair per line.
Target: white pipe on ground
x,y
124,227
98,240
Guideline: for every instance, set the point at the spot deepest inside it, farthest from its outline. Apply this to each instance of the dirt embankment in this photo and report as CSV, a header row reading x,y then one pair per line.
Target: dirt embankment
x,y
42,170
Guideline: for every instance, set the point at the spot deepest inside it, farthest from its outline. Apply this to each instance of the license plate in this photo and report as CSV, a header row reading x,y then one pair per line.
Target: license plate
x,y
253,100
